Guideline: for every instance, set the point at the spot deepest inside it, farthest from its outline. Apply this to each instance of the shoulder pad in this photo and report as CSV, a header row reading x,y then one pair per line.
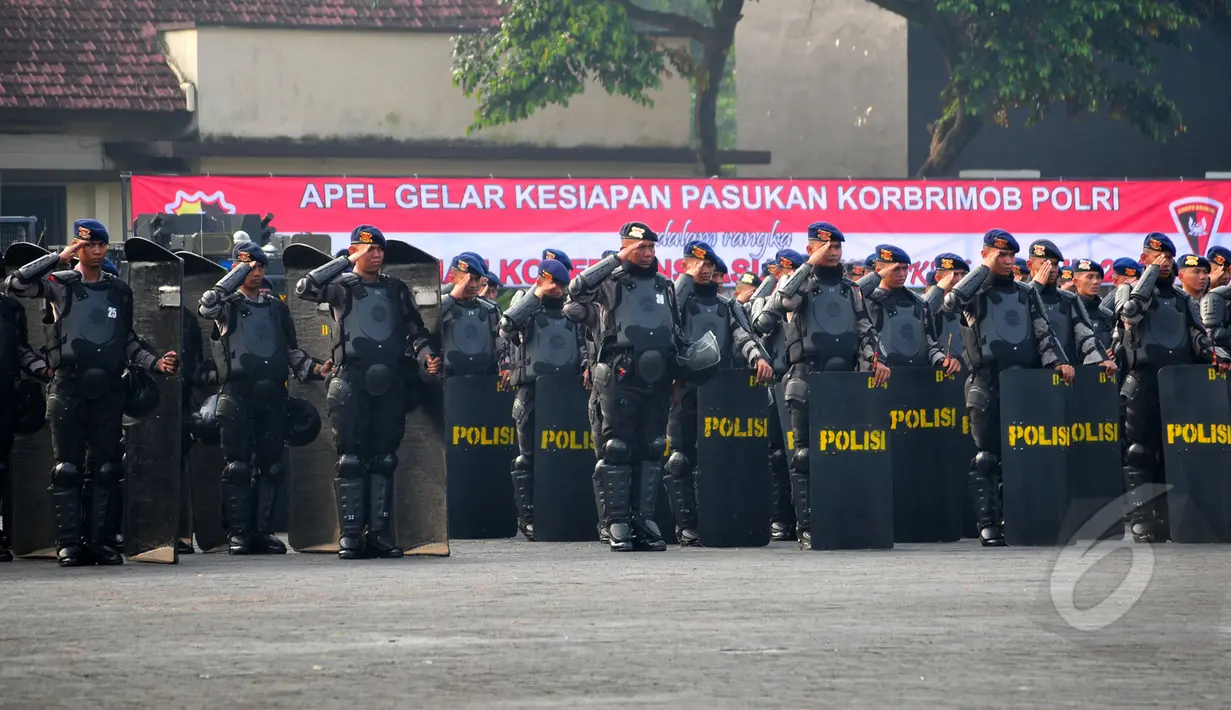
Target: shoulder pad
x,y
348,279
917,298
1066,294
67,276
117,282
663,280
1223,291
725,298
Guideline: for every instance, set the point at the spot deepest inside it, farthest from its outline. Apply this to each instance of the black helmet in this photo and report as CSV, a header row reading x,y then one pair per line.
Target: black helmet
x,y
31,407
203,423
140,393
303,422
701,360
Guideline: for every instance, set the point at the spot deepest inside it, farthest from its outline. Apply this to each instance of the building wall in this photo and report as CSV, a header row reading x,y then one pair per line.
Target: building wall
x,y
100,201
822,85
52,152
298,84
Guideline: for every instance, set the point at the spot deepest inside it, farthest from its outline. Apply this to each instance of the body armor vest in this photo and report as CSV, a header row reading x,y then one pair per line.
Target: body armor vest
x,y
9,364
254,346
468,343
91,331
1006,330
826,330
902,331
641,321
1103,325
1163,333
950,331
548,348
1059,312
709,314
373,335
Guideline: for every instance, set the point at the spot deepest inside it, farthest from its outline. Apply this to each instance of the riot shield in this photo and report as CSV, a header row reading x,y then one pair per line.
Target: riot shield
x,y
563,462
152,443
420,515
925,420
1196,420
733,485
1096,479
32,532
1034,456
203,481
784,418
480,445
850,462
310,469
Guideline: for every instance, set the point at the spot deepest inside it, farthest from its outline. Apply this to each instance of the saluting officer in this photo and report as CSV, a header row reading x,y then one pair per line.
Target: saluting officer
x,y
1005,327
595,419
1021,269
1215,315
1070,323
829,330
1161,326
1087,278
950,269
1065,280
255,347
902,318
745,285
469,324
1194,276
543,342
93,343
378,332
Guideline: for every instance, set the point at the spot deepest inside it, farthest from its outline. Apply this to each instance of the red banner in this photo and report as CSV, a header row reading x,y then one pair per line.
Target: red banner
x,y
510,221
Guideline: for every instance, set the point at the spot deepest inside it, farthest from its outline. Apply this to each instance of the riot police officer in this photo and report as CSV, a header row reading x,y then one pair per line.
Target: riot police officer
x,y
1065,280
902,318
702,310
1214,312
468,323
1087,277
596,421
256,345
543,342
377,331
196,370
94,342
1070,323
949,270
636,323
1004,327
1161,326
1021,269
1194,276
829,330
745,285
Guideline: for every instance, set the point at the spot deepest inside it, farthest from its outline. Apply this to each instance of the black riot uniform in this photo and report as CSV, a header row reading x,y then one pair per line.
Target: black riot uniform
x,y
829,331
196,370
702,310
378,332
948,325
1066,313
93,342
1005,327
255,346
469,328
16,356
632,310
1159,325
903,319
1215,315
1100,310
596,425
542,342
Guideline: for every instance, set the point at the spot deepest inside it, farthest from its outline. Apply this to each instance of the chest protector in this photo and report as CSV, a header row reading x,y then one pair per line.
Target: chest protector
x,y
702,315
1163,333
1103,326
253,349
549,348
373,335
468,343
1006,332
826,328
9,365
641,321
950,332
902,333
1059,312
91,331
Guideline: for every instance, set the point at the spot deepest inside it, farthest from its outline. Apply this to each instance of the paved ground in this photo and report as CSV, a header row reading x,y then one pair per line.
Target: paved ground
x,y
512,624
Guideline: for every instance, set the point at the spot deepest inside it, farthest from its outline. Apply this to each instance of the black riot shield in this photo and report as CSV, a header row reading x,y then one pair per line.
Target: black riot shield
x,y
925,419
563,462
850,462
152,443
420,515
313,513
733,486
1196,420
32,531
1096,479
203,482
480,445
1034,448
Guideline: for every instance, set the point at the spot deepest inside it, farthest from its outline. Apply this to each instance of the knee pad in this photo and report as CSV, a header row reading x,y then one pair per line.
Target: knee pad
x,y
108,474
228,408
777,460
237,472
65,475
616,452
799,461
349,466
385,464
1138,456
658,447
677,464
986,463
796,390
523,463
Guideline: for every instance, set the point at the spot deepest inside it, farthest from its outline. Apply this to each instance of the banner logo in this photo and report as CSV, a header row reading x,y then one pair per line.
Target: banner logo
x,y
199,203
1197,218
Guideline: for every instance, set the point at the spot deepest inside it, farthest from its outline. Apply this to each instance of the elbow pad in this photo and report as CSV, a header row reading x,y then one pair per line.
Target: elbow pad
x,y
325,273
795,281
1214,308
37,269
1144,288
966,289
519,312
595,274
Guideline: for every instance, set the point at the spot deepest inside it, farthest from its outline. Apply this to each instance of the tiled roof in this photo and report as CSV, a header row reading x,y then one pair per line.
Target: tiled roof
x,y
104,54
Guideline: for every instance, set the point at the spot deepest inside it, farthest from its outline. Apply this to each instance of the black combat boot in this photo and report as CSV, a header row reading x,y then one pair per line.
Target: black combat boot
x,y
679,475
617,486
523,494
782,513
646,535
800,496
102,534
600,502
115,514
352,494
985,496
1143,518
380,535
237,509
264,541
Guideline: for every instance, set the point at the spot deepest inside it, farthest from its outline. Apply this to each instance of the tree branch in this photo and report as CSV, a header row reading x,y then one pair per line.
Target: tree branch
x,y
925,14
676,24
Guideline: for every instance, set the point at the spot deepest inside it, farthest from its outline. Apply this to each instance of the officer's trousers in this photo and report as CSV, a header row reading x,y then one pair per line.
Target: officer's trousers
x,y
8,417
679,474
252,433
1143,454
982,390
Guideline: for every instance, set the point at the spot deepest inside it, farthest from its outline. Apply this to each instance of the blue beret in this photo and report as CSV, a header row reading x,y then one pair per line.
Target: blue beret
x,y
790,259
249,251
1020,264
638,230
342,252
266,283
699,250
1219,255
1066,273
824,232
930,279
1088,266
889,254
869,261
949,260
558,272
110,267
1157,241
749,279
559,256
1045,249
367,234
1190,260
1000,239
494,280
1126,266
477,257
467,263
720,266
90,230
765,267
609,252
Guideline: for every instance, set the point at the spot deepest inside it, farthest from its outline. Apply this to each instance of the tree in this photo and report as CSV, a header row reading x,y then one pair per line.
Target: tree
x,y
546,51
1088,56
